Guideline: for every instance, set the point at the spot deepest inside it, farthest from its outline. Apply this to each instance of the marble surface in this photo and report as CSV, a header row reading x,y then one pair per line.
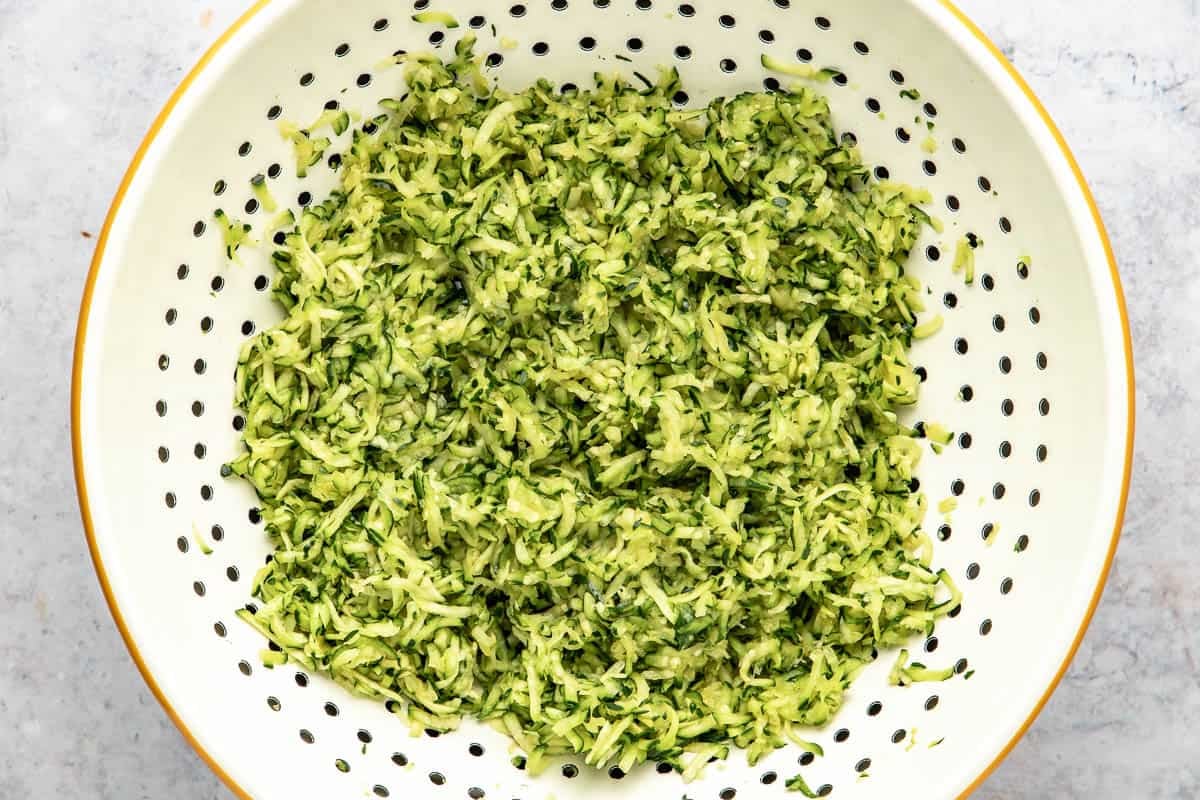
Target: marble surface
x,y
80,81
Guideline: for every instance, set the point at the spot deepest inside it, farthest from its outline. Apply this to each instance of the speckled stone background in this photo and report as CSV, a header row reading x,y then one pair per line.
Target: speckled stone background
x,y
79,83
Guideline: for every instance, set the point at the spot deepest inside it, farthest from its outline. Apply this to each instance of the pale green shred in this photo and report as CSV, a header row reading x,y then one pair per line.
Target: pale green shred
x,y
308,148
436,18
336,119
273,658
234,234
284,219
205,548
964,257
936,432
583,419
903,673
262,192
929,327
796,783
787,68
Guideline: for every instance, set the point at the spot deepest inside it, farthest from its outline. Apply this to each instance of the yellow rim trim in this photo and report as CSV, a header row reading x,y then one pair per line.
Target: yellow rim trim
x,y
1129,383
156,128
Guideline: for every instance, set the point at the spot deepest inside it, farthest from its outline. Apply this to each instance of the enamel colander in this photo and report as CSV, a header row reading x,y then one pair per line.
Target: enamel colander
x,y
1032,371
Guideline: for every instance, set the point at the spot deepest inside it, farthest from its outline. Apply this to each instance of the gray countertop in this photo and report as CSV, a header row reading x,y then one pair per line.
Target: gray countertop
x,y
80,82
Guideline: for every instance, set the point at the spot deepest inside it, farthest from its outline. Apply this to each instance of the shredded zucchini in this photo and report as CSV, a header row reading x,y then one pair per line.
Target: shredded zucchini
x,y
284,219
929,327
936,432
785,68
903,673
200,542
964,257
436,18
234,234
309,149
583,419
262,192
796,783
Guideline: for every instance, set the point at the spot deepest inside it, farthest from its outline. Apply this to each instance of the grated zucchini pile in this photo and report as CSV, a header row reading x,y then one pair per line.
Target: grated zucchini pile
x,y
583,419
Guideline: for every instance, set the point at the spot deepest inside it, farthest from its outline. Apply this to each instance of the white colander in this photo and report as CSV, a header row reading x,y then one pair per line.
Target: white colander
x,y
1032,370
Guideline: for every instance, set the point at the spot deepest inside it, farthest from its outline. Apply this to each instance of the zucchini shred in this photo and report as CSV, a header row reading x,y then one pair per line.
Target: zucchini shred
x,y
583,418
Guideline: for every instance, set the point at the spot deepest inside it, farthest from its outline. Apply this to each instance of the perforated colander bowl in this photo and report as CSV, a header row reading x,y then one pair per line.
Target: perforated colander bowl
x,y
1032,371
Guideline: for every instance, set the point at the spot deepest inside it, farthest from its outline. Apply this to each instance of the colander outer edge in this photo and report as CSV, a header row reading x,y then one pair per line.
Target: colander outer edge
x,y
155,128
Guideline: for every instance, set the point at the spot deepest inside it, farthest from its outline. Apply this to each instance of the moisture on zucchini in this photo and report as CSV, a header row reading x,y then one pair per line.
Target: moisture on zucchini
x,y
583,419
